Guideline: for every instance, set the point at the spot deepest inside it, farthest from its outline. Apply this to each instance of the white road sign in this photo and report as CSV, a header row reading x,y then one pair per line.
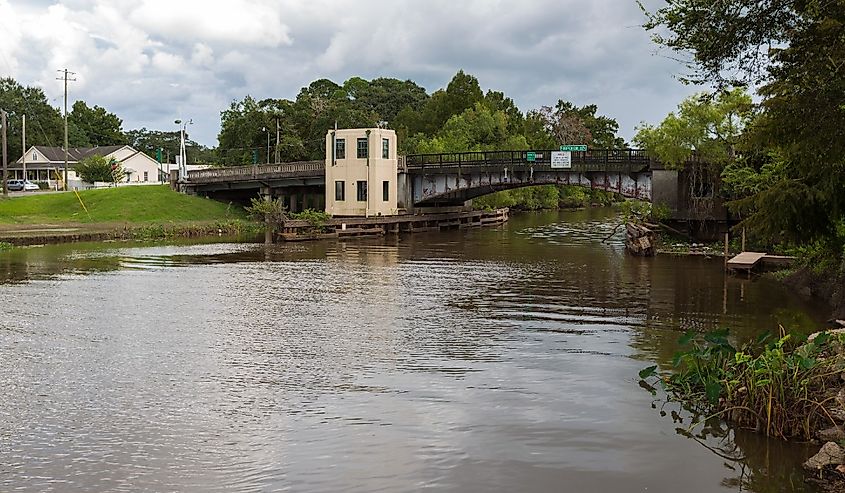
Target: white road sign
x,y
561,159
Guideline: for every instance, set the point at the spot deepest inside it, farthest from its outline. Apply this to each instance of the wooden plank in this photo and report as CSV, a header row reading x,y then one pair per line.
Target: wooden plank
x,y
745,260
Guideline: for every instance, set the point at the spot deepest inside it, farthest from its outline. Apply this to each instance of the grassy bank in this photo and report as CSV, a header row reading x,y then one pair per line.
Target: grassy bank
x,y
148,212
123,205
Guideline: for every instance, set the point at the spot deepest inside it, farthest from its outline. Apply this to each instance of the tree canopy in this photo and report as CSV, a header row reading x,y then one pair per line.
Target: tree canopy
x,y
790,180
44,124
100,169
460,117
96,126
710,125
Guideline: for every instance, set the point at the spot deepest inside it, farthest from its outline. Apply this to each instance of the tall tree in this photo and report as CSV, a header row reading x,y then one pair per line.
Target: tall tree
x,y
795,49
99,127
475,129
461,94
570,124
150,141
710,125
240,138
497,101
565,127
385,97
44,124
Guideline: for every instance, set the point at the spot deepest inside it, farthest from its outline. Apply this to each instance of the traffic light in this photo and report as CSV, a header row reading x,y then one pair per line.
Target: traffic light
x,y
158,155
255,157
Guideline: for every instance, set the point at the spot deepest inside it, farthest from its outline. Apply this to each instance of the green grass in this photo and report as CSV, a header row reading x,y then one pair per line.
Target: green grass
x,y
126,205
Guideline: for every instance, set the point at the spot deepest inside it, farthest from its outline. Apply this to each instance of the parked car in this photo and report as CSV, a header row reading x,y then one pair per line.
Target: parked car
x,y
28,186
15,185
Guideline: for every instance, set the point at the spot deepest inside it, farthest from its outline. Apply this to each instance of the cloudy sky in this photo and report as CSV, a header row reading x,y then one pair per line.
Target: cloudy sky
x,y
152,61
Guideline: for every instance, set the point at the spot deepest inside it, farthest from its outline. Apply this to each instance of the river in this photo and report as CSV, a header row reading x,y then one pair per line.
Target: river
x,y
498,359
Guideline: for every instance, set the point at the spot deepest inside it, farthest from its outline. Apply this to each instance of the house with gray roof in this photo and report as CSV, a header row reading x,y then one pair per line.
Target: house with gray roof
x,y
46,164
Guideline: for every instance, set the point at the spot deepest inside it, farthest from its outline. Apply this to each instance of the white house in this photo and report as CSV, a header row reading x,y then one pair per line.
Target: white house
x,y
46,164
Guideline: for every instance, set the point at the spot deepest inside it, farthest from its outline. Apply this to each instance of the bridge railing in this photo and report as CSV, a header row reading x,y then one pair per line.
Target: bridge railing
x,y
591,160
232,173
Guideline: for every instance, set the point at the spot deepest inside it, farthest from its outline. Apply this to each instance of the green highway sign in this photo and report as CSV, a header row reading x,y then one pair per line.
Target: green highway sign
x,y
531,156
580,147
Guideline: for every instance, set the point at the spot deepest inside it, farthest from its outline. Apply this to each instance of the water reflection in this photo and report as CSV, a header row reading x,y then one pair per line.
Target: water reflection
x,y
751,461
492,359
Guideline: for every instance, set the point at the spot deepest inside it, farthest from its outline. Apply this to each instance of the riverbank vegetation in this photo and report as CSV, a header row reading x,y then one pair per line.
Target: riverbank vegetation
x,y
785,387
781,166
780,161
275,213
546,197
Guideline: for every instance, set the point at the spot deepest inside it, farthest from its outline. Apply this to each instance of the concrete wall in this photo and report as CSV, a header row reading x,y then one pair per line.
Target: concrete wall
x,y
374,170
139,163
664,188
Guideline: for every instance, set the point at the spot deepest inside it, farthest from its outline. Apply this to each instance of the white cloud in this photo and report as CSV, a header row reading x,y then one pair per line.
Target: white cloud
x,y
191,58
167,62
202,55
240,22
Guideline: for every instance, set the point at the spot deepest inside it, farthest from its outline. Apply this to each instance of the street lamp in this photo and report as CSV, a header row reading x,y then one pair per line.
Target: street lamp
x,y
267,130
183,162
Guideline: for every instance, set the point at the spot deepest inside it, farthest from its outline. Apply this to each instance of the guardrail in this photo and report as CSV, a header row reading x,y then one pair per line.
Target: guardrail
x,y
234,173
630,160
590,160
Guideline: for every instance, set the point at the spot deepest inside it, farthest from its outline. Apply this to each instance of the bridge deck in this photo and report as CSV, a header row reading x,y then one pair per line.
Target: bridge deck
x,y
606,160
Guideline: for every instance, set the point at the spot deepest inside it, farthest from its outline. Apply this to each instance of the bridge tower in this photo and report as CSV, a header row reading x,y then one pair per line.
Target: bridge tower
x,y
361,169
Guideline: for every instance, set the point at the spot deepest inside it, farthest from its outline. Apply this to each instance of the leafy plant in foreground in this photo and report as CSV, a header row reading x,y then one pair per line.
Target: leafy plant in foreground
x,y
781,387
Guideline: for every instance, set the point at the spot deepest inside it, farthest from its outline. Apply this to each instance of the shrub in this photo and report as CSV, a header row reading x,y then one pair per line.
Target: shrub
x,y
779,387
316,219
273,211
97,168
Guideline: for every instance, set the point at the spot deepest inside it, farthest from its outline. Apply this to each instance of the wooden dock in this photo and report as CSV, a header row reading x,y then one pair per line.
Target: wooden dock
x,y
747,261
351,227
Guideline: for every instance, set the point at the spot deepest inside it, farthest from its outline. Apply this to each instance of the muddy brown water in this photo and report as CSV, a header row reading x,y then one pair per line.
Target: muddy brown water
x,y
487,360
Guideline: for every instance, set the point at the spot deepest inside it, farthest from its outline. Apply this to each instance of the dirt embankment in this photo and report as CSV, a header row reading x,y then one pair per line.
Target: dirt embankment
x,y
20,235
827,287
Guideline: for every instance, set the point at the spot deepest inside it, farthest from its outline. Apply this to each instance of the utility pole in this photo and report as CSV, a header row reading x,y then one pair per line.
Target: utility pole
x,y
65,78
278,134
3,117
23,140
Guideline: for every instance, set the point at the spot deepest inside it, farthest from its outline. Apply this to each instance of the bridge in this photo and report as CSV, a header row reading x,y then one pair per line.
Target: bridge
x,y
452,178
441,180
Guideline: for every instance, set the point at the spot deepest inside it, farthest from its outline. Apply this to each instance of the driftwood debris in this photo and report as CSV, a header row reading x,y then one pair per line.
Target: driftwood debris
x,y
639,240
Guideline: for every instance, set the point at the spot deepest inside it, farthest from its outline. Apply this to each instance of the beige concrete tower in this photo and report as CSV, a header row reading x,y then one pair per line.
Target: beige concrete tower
x,y
361,167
